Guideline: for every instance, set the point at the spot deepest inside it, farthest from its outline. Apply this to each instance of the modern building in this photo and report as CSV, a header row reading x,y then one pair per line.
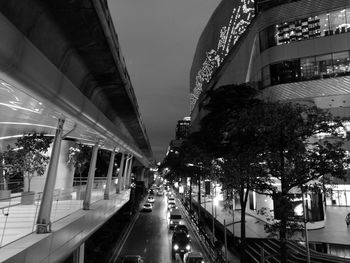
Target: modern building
x,y
182,128
291,51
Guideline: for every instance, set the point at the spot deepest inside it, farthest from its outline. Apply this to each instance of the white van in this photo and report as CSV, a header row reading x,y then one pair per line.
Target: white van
x,y
175,218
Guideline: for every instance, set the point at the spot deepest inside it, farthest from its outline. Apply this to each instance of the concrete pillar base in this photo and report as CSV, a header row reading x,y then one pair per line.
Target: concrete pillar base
x,y
86,205
43,228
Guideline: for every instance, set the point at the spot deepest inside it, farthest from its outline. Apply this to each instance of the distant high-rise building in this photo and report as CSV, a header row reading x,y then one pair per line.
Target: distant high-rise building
x,y
183,128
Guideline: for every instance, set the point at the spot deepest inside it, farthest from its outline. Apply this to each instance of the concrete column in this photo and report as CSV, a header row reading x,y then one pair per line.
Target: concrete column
x,y
129,172
126,172
120,174
91,176
78,254
109,175
65,176
143,174
43,223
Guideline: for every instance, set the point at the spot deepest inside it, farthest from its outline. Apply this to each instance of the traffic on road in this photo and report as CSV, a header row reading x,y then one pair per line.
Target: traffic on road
x,y
161,233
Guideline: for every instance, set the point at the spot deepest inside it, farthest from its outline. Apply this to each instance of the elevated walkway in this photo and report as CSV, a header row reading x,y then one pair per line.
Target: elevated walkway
x,y
68,233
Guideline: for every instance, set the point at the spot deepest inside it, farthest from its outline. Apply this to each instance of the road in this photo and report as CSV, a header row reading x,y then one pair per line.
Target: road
x,y
151,238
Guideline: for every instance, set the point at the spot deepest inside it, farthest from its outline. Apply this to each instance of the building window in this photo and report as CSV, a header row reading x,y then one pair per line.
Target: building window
x,y
284,72
337,21
341,63
308,69
324,65
326,24
266,78
268,37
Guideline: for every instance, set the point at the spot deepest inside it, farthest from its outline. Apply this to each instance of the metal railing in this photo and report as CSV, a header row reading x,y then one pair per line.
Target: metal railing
x,y
19,212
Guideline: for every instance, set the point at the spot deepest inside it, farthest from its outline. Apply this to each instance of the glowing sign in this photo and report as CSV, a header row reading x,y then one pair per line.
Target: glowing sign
x,y
226,34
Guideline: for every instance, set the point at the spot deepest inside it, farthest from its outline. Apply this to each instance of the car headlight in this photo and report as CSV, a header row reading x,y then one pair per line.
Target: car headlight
x,y
176,247
188,247
171,221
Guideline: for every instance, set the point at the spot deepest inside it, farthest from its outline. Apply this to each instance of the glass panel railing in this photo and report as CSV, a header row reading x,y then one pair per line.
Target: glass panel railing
x,y
18,216
65,203
19,212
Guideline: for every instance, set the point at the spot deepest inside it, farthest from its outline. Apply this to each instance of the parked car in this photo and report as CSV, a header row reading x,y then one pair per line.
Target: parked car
x,y
150,199
132,259
193,257
181,244
147,207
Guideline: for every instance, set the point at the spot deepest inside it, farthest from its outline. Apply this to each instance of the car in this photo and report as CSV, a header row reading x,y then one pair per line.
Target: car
x,y
175,218
193,257
171,199
151,192
171,206
180,244
132,259
150,199
181,228
147,207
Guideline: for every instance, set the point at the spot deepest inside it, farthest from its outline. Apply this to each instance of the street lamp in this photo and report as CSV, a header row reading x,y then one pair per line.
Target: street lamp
x,y
214,203
306,233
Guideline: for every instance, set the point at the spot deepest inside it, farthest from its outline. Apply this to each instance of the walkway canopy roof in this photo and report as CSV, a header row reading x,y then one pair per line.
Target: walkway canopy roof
x,y
61,59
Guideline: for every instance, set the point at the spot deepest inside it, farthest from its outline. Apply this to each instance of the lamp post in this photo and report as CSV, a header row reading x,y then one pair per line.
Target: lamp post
x,y
199,200
212,214
233,214
214,204
306,233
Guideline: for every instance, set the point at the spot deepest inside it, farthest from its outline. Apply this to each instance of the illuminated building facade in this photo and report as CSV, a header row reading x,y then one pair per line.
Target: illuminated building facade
x,y
182,128
291,51
227,24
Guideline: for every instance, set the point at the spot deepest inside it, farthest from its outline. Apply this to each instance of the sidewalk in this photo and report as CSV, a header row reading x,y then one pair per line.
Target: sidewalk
x,y
335,230
335,233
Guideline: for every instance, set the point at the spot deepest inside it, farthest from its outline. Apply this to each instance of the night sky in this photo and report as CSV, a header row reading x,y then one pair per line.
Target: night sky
x,y
158,39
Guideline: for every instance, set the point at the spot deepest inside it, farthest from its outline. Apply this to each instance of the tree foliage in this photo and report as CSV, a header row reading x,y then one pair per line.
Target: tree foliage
x,y
79,156
30,155
296,157
257,145
231,135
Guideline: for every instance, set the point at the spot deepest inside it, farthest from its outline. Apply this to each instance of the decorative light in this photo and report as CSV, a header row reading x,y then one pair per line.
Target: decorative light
x,y
241,16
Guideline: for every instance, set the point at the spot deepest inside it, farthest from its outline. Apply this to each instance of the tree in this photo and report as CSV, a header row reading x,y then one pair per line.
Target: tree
x,y
79,156
29,157
295,156
197,165
231,134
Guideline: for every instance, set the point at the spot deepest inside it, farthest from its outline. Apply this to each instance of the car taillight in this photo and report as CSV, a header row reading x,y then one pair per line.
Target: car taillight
x,y
188,247
176,247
